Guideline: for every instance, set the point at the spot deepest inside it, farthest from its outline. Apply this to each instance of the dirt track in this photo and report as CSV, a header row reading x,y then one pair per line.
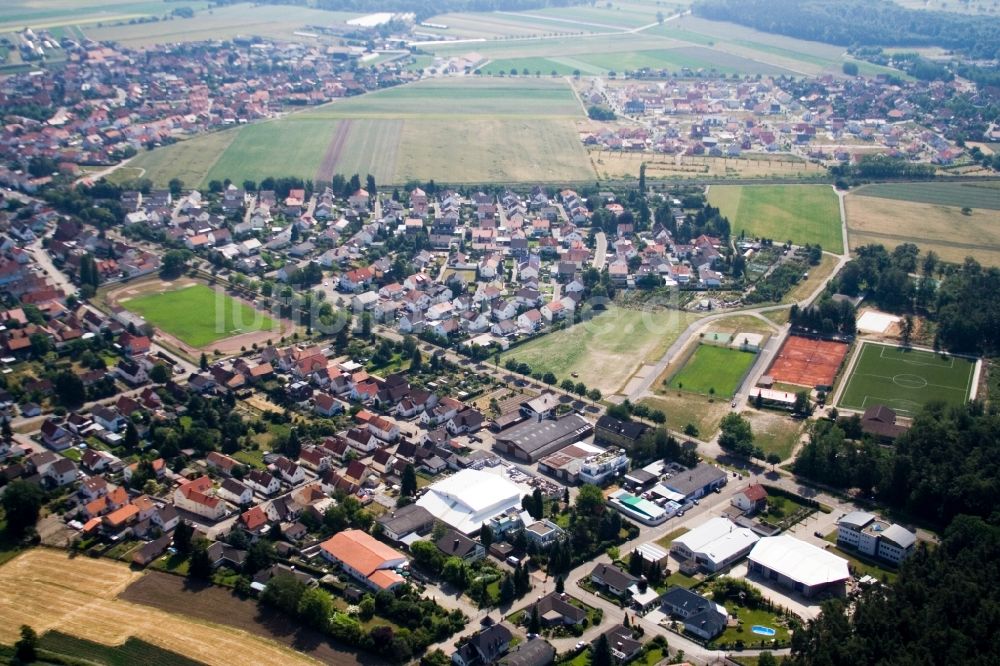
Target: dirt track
x,y
329,165
47,589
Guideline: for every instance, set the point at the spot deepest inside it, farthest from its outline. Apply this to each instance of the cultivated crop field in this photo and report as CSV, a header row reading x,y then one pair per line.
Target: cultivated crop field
x,y
800,213
273,21
48,14
189,160
47,589
606,350
905,379
939,227
275,148
713,370
452,130
974,195
619,164
195,314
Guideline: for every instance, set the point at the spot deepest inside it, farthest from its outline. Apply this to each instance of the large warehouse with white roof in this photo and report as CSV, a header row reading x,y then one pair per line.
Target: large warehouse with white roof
x,y
798,565
714,544
469,498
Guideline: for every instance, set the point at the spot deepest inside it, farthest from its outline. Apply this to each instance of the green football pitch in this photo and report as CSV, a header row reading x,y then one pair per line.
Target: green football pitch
x,y
906,379
199,315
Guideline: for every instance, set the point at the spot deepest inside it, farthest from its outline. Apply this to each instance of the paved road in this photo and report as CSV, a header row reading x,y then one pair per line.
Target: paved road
x,y
601,251
44,261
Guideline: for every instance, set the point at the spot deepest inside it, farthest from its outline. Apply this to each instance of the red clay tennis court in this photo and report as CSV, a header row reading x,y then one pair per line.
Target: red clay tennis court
x,y
808,362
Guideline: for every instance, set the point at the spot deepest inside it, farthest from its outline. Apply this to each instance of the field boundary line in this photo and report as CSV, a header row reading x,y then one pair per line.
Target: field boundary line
x,y
848,374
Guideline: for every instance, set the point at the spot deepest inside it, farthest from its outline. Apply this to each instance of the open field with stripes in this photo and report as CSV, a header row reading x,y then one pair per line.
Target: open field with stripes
x,y
47,589
905,379
929,215
452,130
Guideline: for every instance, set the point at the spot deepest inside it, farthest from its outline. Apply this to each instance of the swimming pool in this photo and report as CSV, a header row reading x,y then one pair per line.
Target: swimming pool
x,y
763,631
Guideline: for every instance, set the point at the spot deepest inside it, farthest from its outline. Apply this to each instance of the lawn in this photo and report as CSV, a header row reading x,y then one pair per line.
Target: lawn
x,y
668,538
713,370
859,566
775,432
905,380
683,408
606,350
182,313
938,225
749,618
800,213
132,651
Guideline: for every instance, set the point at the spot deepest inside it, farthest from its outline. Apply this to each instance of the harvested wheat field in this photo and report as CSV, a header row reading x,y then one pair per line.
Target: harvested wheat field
x,y
49,590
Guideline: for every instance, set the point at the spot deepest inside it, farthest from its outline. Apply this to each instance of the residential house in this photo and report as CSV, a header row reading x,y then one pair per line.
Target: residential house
x,y
456,544
365,559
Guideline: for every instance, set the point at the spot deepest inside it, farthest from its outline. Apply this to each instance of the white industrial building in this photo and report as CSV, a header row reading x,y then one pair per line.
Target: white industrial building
x,y
877,538
469,498
714,544
798,565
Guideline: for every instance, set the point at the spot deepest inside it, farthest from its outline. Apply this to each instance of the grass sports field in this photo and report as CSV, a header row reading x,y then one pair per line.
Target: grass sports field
x,y
448,129
905,380
606,350
198,315
939,226
713,370
800,213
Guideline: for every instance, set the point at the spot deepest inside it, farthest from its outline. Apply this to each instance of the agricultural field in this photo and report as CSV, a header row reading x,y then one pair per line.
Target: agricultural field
x,y
496,25
292,147
619,164
674,59
270,21
450,130
955,195
49,590
53,14
132,651
800,213
713,370
189,160
458,98
940,226
606,350
197,315
905,379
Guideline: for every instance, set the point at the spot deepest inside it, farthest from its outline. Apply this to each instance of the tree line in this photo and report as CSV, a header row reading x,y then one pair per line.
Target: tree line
x,y
861,22
963,300
941,609
946,464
